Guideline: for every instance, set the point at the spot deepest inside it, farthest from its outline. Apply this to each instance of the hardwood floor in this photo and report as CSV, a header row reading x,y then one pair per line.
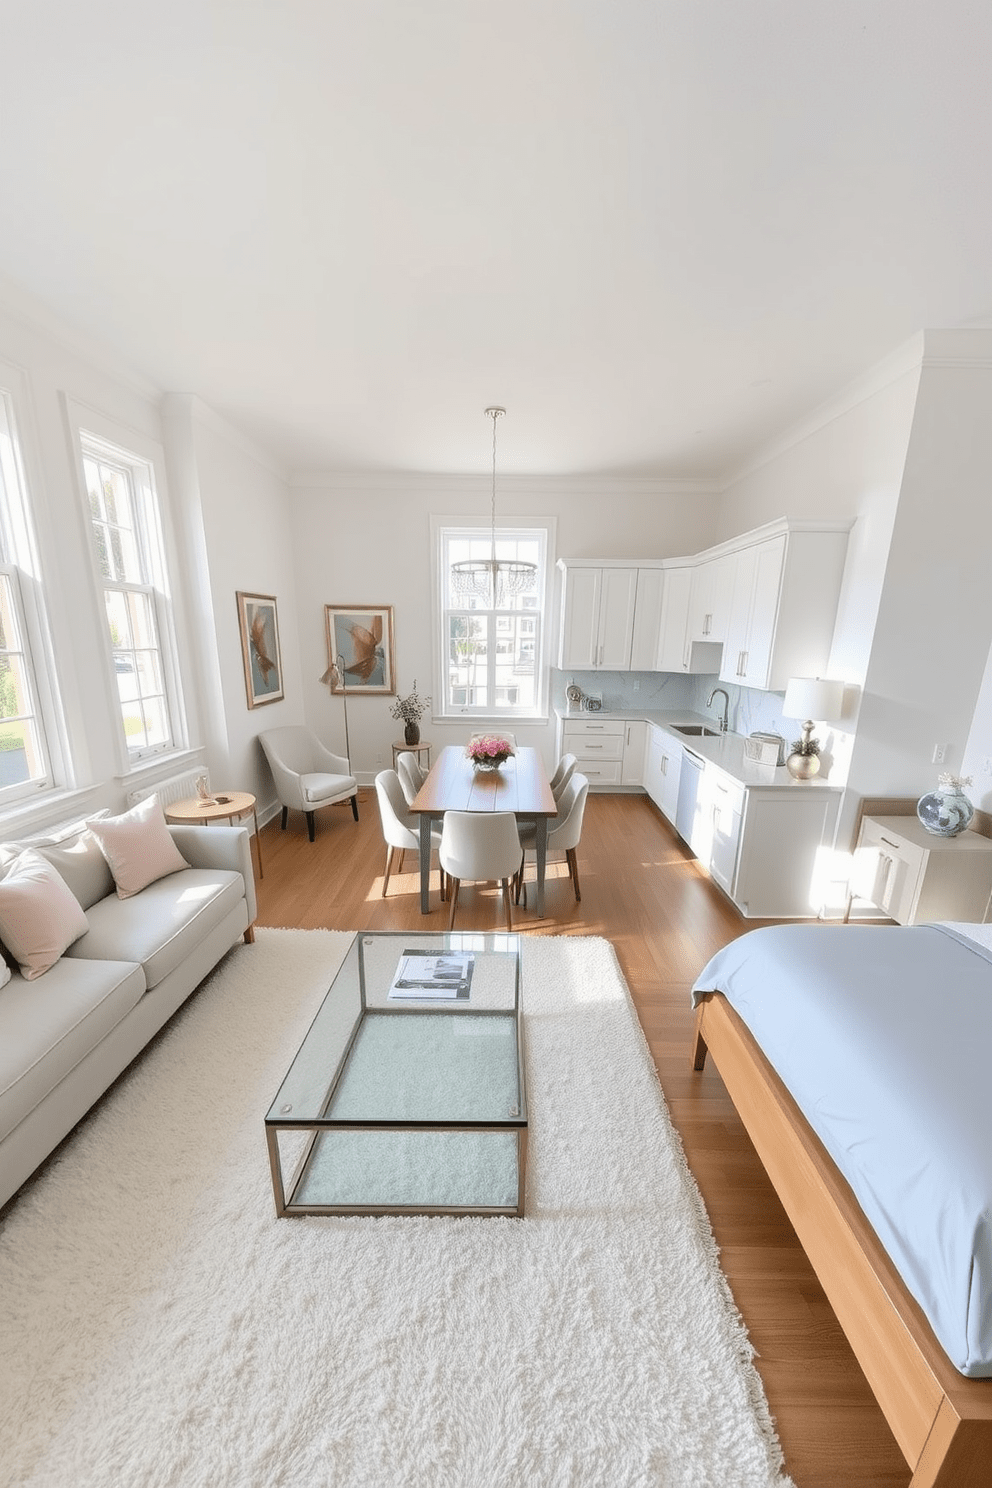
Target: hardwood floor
x,y
641,890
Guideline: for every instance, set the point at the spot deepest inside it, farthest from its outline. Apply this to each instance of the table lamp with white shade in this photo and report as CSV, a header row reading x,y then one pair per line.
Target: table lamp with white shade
x,y
810,698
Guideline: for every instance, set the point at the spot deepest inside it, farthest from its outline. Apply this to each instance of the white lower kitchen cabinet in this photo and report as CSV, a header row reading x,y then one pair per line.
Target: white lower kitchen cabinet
x,y
784,854
662,766
610,751
635,738
598,745
911,875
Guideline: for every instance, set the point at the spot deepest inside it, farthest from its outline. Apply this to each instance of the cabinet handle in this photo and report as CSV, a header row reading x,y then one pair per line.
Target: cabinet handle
x,y
895,845
745,655
707,624
594,746
664,764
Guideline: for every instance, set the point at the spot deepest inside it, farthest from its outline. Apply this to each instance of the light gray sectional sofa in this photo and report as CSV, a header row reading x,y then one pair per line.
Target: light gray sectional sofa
x,y
68,1032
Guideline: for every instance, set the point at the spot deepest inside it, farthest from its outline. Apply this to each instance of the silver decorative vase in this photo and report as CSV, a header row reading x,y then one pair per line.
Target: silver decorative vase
x,y
803,766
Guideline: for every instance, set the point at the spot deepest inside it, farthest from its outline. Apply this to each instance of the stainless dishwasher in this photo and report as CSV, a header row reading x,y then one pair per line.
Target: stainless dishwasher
x,y
689,778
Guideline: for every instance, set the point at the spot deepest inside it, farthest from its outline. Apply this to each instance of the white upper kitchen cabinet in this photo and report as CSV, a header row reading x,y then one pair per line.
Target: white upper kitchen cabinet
x,y
672,638
710,598
597,624
647,618
784,605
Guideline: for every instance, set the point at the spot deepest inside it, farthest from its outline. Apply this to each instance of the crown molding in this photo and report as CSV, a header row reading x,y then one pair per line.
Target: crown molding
x,y
550,485
967,347
192,407
35,316
907,359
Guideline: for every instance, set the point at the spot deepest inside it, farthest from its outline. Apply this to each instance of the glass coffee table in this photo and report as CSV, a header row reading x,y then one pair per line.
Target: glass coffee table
x,y
407,1095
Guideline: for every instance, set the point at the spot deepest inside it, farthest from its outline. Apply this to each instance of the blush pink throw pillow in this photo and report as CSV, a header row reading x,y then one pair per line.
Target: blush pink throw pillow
x,y
137,846
40,916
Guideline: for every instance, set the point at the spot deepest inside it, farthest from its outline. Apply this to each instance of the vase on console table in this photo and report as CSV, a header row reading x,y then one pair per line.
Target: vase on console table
x,y
946,811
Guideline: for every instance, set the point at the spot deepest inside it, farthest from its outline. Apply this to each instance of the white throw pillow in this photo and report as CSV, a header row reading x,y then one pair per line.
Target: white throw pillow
x,y
138,846
40,916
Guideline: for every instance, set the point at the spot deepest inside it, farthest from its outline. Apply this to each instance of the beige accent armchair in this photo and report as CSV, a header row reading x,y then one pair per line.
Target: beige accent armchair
x,y
307,776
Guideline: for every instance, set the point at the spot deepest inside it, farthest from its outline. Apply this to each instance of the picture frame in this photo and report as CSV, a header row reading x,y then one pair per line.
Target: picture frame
x,y
258,619
361,637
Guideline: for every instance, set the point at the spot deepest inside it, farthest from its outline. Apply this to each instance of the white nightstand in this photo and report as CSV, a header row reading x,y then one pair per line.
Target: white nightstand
x,y
911,875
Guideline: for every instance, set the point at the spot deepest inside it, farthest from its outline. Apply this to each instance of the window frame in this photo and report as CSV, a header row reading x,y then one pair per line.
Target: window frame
x,y
442,530
142,460
20,567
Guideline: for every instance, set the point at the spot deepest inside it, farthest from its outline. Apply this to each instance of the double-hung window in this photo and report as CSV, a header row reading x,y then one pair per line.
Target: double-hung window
x,y
491,660
25,762
130,560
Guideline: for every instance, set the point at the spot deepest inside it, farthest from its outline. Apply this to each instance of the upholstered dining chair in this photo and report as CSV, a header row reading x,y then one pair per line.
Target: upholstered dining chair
x,y
563,774
400,828
411,773
480,846
564,833
306,774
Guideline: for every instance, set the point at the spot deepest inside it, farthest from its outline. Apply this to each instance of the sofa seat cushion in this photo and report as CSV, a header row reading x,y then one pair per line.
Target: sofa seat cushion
x,y
319,787
160,926
47,1026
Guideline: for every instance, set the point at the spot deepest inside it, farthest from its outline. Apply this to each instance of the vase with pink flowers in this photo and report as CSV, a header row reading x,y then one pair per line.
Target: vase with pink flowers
x,y
489,751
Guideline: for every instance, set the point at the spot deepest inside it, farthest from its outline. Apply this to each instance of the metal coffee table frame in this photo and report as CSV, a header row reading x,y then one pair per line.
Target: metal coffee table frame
x,y
285,1116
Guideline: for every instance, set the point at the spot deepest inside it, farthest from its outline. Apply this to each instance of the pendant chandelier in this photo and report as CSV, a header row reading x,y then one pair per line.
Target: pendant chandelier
x,y
494,581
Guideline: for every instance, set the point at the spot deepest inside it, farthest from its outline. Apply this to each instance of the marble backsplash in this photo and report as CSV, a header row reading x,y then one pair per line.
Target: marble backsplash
x,y
751,711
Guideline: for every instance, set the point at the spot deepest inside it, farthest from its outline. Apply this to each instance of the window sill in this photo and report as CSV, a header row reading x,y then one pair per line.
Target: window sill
x,y
55,808
490,720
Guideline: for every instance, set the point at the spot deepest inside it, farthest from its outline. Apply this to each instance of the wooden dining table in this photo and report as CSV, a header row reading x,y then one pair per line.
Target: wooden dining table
x,y
521,785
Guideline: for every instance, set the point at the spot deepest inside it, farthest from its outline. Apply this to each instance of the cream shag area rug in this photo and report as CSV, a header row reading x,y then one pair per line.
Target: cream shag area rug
x,y
159,1326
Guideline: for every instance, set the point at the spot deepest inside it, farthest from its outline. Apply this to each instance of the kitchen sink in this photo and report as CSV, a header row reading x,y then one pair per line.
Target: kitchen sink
x,y
698,730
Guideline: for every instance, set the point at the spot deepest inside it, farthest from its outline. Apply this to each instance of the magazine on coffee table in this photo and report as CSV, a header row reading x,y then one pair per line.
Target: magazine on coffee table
x,y
430,975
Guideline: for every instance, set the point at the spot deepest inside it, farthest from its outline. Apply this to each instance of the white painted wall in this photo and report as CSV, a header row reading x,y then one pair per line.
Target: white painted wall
x,y
236,516
933,628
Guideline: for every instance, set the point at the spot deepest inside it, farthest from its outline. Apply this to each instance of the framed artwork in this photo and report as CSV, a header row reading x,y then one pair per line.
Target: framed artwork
x,y
360,640
260,648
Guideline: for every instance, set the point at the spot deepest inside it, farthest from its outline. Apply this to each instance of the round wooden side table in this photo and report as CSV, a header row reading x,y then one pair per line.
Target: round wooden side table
x,y
424,747
230,806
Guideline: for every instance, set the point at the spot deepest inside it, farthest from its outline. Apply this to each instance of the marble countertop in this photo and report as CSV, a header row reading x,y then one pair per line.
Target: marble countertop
x,y
726,751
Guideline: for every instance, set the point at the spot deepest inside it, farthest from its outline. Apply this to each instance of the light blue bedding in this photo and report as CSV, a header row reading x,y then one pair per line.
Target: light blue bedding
x,y
883,1036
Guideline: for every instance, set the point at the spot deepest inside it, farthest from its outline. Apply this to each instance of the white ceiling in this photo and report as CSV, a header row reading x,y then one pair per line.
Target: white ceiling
x,y
658,231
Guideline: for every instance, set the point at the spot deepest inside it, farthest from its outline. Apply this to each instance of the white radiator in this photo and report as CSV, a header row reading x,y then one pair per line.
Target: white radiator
x,y
175,789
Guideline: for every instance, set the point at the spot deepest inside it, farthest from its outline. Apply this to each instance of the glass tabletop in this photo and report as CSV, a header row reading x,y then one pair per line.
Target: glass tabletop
x,y
384,1050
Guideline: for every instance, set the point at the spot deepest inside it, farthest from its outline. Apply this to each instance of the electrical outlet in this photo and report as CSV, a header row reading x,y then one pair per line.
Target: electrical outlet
x,y
987,765
637,685
378,759
939,754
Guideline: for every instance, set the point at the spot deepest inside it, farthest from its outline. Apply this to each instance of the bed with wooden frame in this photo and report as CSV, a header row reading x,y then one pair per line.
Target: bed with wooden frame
x,y
941,1420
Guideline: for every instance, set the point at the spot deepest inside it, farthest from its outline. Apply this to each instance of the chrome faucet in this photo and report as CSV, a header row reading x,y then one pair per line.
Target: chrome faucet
x,y
724,721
